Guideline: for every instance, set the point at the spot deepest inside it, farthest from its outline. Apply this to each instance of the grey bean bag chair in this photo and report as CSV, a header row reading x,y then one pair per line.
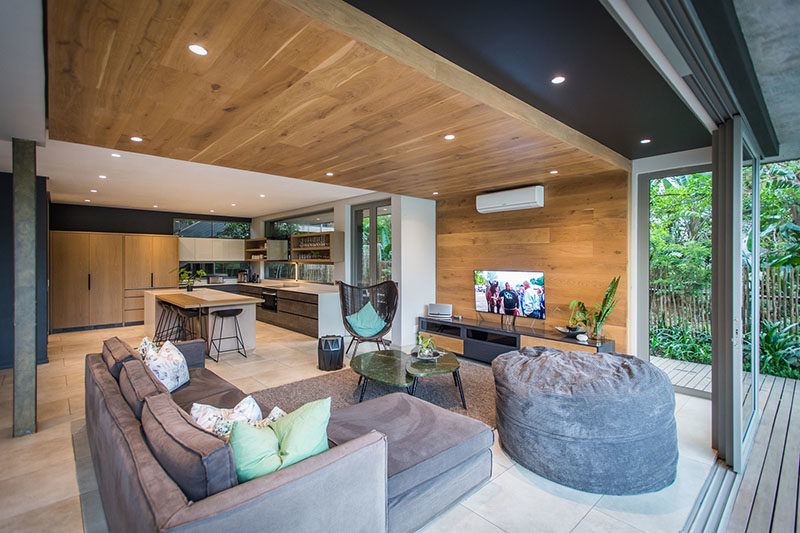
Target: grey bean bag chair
x,y
597,422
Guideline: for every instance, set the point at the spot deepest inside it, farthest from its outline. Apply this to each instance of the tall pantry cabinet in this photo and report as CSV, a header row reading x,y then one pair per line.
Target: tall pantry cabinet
x,y
92,274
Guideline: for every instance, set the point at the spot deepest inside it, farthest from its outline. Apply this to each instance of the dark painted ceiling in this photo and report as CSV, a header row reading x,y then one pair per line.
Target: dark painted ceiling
x,y
612,93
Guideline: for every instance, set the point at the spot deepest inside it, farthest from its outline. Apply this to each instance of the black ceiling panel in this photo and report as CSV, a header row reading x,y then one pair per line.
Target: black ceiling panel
x,y
612,93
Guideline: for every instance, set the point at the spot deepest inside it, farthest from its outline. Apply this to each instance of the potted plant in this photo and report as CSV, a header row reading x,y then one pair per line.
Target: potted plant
x,y
188,277
426,347
602,310
577,316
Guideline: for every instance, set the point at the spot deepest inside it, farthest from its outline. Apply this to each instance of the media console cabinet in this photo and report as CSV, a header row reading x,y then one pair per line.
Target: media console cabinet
x,y
484,340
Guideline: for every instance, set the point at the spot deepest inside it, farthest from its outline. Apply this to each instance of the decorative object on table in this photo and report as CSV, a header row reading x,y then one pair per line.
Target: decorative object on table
x,y
582,337
604,309
571,332
187,277
597,422
426,348
593,320
330,352
368,312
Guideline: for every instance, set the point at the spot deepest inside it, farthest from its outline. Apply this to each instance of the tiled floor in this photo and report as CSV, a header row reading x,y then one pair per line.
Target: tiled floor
x,y
47,483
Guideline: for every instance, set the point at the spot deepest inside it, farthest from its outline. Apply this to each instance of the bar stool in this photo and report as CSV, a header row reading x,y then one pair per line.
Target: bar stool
x,y
166,323
217,342
186,317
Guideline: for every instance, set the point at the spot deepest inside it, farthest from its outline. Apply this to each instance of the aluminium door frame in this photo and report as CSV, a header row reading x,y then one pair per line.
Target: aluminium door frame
x,y
372,240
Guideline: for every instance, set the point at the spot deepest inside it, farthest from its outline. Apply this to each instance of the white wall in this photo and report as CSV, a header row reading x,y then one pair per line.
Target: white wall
x,y
413,263
637,303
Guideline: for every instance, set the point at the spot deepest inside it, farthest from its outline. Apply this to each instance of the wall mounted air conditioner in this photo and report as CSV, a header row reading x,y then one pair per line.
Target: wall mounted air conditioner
x,y
525,198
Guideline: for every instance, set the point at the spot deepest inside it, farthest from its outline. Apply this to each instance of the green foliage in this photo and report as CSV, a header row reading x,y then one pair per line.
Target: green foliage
x,y
234,230
579,314
187,277
425,343
594,320
780,350
682,344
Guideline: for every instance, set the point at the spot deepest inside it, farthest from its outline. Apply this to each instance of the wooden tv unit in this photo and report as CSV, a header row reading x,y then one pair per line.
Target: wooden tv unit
x,y
483,340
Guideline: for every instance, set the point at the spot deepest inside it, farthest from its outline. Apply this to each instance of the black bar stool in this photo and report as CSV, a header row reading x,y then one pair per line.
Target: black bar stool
x,y
186,318
217,342
167,323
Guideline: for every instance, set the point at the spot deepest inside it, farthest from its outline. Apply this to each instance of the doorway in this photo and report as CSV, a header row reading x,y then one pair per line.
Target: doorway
x,y
372,243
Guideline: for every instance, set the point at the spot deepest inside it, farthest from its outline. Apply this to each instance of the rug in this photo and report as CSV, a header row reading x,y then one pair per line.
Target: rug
x,y
342,387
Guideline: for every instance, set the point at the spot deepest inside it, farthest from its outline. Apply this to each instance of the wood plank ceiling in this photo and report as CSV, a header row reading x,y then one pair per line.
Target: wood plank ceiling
x,y
282,93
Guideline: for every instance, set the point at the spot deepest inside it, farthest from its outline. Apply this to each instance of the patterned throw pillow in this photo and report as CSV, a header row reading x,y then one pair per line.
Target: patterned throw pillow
x,y
169,366
147,347
220,421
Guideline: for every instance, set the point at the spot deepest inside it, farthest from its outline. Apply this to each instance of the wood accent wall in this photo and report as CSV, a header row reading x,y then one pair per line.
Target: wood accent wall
x,y
579,240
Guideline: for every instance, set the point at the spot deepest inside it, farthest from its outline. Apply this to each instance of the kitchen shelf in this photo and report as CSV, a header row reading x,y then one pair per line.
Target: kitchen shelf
x,y
328,247
255,249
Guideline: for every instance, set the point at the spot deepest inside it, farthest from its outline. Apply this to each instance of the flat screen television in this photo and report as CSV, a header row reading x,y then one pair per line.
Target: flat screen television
x,y
510,292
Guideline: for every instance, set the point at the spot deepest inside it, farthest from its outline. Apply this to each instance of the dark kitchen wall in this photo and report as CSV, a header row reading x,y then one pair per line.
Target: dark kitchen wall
x,y
7,270
68,217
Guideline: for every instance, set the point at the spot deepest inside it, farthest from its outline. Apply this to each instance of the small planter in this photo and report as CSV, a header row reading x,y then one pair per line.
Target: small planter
x,y
189,288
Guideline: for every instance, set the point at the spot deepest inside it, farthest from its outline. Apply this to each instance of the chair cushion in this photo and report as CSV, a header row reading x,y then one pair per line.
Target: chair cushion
x,y
423,440
116,352
199,462
136,382
366,322
169,366
206,387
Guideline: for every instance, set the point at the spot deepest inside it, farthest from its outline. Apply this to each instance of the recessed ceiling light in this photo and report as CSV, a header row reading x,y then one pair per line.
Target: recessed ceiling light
x,y
233,205
435,193
645,141
115,155
102,177
136,139
197,49
558,80
449,137
87,200
92,190
263,195
211,211
329,174
317,219
554,172
155,206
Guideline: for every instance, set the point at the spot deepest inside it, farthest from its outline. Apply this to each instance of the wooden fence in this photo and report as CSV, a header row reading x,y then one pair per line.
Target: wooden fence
x,y
779,296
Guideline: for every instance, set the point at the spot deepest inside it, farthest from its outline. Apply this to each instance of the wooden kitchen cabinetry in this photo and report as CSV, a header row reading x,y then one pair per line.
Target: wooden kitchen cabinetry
x,y
85,279
98,279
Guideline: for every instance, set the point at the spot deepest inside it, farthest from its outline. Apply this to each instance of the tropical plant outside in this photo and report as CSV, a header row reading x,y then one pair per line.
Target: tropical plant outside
x,y
680,266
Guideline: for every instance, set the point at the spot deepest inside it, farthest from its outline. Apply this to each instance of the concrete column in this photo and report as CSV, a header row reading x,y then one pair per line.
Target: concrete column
x,y
24,168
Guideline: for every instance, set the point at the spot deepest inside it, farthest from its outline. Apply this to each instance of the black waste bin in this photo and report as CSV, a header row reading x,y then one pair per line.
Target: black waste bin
x,y
330,352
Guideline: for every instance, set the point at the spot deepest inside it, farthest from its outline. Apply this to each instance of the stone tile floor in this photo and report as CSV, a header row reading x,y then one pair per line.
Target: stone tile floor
x,y
47,482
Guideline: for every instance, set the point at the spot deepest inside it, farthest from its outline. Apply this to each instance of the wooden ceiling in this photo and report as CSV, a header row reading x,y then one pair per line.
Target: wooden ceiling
x,y
283,93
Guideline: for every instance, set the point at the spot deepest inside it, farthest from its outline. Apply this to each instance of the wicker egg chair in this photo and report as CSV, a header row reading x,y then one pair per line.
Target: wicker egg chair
x,y
383,297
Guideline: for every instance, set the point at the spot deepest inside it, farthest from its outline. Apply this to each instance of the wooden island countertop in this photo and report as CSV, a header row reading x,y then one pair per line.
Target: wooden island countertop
x,y
204,298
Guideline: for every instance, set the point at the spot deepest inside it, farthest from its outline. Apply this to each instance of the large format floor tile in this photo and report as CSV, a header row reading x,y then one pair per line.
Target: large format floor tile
x,y
47,480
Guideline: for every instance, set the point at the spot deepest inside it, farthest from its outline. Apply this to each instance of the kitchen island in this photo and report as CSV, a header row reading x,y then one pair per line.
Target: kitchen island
x,y
207,301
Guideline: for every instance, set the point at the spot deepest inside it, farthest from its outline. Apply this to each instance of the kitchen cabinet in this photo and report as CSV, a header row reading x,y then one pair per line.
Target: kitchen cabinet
x,y
151,261
208,250
85,279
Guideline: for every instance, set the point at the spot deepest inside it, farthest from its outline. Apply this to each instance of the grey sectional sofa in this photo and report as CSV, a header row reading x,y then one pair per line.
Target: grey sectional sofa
x,y
394,463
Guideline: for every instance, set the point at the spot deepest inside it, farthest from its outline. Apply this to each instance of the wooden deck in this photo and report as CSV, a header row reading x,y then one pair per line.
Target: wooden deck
x,y
767,497
691,378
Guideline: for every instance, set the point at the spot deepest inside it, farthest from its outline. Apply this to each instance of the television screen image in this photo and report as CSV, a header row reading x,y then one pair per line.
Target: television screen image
x,y
510,293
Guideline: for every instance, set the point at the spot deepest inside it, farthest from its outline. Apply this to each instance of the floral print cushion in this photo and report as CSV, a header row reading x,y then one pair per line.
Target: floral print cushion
x,y
169,366
147,347
220,421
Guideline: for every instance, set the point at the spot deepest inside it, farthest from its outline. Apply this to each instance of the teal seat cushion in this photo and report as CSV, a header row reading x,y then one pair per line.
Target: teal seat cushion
x,y
256,451
304,432
366,322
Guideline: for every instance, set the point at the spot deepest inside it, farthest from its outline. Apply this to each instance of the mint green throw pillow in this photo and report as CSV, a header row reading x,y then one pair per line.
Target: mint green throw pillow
x,y
366,322
302,433
256,451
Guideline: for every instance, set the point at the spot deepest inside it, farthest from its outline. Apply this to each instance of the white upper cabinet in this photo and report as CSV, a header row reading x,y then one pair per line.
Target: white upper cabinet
x,y
194,249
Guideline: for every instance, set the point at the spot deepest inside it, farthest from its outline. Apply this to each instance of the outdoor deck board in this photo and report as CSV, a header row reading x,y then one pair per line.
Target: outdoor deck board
x,y
785,512
685,374
767,499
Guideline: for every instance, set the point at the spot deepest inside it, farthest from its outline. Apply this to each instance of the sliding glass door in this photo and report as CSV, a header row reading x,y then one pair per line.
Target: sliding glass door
x,y
372,243
750,265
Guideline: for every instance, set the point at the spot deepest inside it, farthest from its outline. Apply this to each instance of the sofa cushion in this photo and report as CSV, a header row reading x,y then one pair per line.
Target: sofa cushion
x,y
423,440
256,451
136,382
116,352
199,462
303,432
206,387
169,366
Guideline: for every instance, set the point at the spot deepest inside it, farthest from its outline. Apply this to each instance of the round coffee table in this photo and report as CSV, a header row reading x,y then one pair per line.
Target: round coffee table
x,y
399,369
